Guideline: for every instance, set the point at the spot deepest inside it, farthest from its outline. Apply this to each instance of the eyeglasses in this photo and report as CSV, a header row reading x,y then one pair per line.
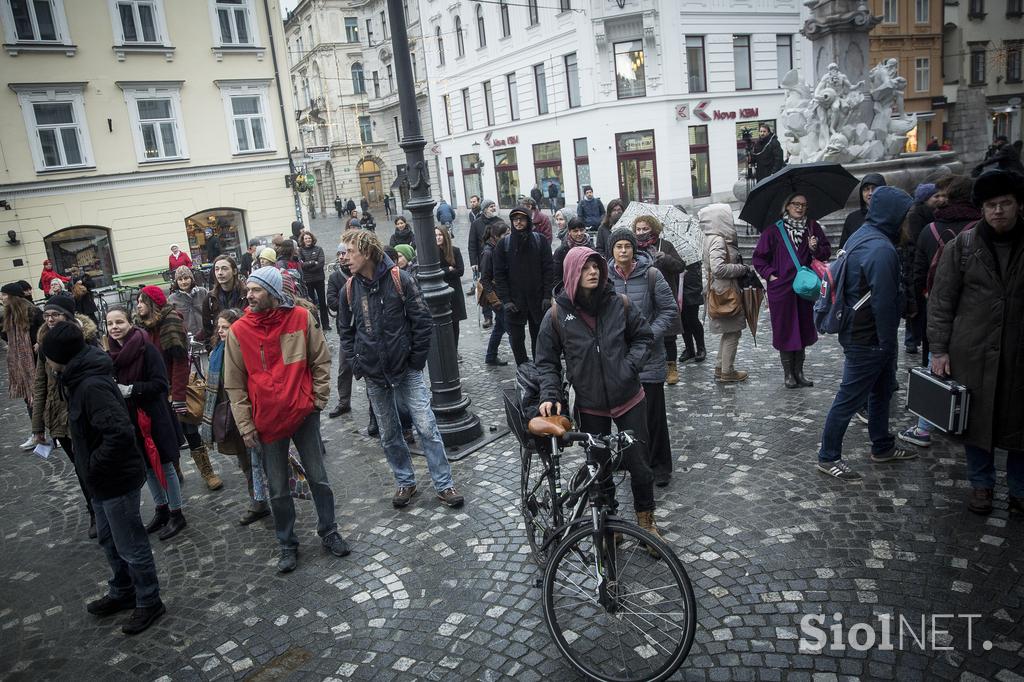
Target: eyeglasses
x,y
796,204
52,316
997,207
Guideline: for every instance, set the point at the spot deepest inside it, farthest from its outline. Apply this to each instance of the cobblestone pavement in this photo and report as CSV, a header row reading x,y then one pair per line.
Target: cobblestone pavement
x,y
432,593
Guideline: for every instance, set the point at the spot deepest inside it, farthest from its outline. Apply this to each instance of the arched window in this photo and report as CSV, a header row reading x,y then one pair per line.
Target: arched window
x,y
506,25
440,46
460,43
481,34
358,82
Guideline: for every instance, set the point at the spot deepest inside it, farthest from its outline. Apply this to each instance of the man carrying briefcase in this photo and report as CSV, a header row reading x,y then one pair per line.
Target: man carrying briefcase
x,y
976,331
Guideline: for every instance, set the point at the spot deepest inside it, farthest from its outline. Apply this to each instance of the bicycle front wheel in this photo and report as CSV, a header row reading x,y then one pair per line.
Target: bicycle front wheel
x,y
619,612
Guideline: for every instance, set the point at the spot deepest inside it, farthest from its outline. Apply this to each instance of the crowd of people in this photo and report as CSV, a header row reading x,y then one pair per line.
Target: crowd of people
x,y
603,309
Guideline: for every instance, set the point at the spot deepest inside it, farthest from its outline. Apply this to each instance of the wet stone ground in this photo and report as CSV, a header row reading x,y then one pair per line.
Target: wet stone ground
x,y
439,594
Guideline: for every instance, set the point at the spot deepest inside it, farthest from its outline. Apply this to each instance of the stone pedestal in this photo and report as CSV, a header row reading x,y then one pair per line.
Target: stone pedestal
x,y
838,31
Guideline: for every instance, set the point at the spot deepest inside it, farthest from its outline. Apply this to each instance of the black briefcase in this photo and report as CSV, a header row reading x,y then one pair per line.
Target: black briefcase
x,y
941,402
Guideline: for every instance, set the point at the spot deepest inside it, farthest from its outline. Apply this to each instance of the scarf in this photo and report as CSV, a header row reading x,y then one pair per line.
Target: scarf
x,y
129,356
955,213
647,242
169,328
584,240
21,364
212,389
797,229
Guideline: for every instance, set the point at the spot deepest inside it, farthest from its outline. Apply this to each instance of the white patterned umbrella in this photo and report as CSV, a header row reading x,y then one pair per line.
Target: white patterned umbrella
x,y
681,228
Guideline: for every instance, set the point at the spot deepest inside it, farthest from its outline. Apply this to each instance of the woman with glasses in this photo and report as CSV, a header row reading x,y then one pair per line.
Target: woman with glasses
x,y
792,316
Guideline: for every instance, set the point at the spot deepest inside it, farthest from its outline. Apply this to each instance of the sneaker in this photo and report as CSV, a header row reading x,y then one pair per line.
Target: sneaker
x,y
289,560
29,444
980,501
915,436
839,469
862,415
336,545
450,497
403,495
142,618
894,455
108,606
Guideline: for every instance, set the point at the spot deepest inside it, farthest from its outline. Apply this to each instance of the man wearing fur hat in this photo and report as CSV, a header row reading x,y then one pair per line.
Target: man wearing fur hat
x,y
975,308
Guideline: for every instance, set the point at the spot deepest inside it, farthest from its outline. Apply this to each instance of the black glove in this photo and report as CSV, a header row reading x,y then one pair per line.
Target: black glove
x,y
511,308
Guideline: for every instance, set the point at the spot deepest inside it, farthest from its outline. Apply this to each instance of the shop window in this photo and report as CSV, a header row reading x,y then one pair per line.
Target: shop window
x,y
506,173
547,168
213,232
87,247
471,181
700,162
582,159
637,166
630,79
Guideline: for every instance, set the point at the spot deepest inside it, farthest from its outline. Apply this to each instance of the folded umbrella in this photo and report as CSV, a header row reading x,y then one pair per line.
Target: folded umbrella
x,y
826,185
752,298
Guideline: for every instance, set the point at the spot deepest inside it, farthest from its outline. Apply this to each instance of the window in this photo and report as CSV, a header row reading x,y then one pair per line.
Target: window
x,y
440,47
391,78
922,74
513,96
506,173
976,9
488,103
547,169
376,83
369,32
531,8
309,32
467,115
415,71
695,73
55,120
300,50
890,11
977,67
481,33
247,106
582,158
155,114
1013,59
541,81
506,26
471,181
741,61
358,82
1014,8
700,164
629,69
572,80
351,30
365,129
234,22
446,106
398,130
451,181
384,23
460,42
138,21
783,55
35,21
921,13
564,5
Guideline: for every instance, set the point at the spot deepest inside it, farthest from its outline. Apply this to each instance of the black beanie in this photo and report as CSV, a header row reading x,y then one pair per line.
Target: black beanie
x,y
63,342
61,303
622,234
997,183
12,289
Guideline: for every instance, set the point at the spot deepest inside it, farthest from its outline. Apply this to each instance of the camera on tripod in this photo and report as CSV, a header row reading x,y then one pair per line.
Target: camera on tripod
x,y
748,140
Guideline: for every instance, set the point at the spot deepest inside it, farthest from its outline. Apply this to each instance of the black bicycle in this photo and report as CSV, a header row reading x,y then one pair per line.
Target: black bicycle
x,y
617,600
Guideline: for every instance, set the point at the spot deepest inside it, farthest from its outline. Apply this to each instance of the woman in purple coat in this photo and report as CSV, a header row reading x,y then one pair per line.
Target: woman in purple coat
x,y
792,316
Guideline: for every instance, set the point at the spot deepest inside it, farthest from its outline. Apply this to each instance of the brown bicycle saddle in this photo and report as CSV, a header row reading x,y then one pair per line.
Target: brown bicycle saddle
x,y
555,425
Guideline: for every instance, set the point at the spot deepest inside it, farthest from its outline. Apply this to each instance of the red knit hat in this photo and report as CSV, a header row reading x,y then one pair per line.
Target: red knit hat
x,y
155,294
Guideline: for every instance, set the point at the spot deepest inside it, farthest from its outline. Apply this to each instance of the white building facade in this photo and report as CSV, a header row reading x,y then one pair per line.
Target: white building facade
x,y
645,102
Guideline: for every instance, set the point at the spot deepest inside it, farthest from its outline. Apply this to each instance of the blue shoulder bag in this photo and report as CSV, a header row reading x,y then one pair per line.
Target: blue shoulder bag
x,y
807,284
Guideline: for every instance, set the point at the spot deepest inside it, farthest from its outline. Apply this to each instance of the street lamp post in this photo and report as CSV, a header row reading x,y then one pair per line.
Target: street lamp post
x,y
457,424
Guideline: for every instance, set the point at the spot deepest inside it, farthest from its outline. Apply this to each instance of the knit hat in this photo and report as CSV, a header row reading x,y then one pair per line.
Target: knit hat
x,y
12,289
486,204
997,183
61,303
622,234
407,251
924,192
270,279
155,294
267,253
63,342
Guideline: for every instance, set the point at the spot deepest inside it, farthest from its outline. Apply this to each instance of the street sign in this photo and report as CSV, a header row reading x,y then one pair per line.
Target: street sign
x,y
699,112
318,153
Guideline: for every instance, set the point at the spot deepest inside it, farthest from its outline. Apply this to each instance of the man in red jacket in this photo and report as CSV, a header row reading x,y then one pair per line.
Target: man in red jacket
x,y
277,373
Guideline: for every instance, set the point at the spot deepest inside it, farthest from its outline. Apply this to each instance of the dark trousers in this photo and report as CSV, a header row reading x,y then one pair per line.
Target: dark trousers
x,y
319,297
670,348
66,444
497,331
915,331
124,540
693,330
192,437
660,447
344,379
869,375
636,460
516,325
455,333
981,469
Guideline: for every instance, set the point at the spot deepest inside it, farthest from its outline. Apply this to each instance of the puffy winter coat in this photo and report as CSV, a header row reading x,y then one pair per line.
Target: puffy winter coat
x,y
191,305
649,293
591,212
723,263
312,264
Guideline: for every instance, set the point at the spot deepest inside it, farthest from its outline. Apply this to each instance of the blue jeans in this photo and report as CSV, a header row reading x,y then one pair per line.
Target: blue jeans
x,y
410,392
122,536
497,331
275,463
172,496
981,469
869,375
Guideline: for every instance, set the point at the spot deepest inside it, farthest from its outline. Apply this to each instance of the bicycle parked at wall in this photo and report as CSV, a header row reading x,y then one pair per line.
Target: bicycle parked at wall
x,y
617,601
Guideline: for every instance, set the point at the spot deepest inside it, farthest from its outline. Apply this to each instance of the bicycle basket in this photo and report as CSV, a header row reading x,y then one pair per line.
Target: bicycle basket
x,y
517,422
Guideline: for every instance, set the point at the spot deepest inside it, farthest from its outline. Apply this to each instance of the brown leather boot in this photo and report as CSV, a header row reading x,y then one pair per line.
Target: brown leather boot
x,y
202,459
645,520
732,377
673,373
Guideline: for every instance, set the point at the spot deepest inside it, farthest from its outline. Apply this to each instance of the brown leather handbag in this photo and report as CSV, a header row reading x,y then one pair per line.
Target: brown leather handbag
x,y
722,304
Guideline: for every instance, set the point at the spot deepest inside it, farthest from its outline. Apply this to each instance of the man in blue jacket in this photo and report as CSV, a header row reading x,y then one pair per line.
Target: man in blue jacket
x,y
385,329
870,340
590,209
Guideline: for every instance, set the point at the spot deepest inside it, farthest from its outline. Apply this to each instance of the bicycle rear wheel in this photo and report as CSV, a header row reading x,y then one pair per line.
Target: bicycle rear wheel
x,y
537,494
617,613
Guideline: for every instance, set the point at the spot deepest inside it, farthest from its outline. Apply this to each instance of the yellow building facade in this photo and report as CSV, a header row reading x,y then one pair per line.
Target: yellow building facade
x,y
130,125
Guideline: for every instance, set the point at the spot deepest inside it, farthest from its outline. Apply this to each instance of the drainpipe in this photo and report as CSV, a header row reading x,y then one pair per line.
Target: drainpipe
x,y
280,101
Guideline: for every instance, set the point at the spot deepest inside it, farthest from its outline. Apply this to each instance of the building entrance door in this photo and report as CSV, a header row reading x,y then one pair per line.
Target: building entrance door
x,y
370,184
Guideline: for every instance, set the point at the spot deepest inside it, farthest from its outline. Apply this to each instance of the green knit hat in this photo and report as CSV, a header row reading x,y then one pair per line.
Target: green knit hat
x,y
407,251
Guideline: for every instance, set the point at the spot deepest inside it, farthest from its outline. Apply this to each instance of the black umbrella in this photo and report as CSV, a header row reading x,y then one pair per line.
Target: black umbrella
x,y
827,186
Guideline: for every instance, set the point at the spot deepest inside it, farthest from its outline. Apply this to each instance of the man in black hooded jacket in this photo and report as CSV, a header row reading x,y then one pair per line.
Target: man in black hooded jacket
x,y
856,219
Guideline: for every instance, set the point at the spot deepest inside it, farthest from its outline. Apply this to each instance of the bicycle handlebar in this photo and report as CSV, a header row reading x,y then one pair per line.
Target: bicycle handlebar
x,y
622,439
